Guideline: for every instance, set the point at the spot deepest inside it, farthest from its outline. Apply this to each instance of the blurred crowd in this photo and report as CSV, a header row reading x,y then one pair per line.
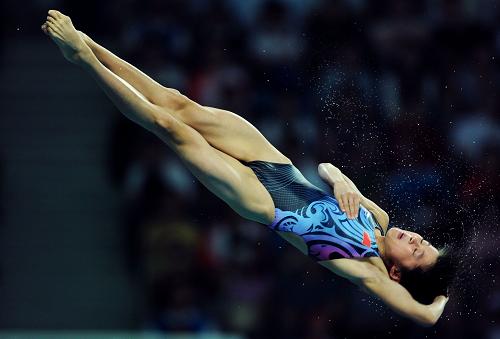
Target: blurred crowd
x,y
400,95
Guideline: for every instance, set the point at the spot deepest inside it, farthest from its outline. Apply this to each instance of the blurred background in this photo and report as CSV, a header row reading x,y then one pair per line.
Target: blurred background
x,y
103,230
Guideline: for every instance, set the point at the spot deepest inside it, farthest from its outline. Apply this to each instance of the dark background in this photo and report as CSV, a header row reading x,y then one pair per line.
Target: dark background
x,y
101,228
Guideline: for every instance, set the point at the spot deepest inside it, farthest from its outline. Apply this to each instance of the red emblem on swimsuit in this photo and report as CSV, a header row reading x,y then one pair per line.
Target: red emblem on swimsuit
x,y
366,239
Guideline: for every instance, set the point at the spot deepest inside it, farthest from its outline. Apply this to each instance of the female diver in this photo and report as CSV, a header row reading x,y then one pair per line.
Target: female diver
x,y
234,161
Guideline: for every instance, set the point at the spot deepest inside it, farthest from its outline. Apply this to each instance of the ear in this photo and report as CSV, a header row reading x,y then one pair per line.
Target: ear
x,y
395,273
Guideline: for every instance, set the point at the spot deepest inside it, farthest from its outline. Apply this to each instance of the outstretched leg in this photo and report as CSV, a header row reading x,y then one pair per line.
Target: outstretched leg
x,y
224,130
223,175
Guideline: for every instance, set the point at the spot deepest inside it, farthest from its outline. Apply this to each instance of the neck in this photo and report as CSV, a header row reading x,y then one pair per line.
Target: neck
x,y
380,239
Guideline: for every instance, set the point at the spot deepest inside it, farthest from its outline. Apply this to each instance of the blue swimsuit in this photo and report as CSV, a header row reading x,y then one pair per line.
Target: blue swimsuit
x,y
314,215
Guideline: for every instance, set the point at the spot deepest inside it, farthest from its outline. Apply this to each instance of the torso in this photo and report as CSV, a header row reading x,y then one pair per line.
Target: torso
x,y
310,219
336,265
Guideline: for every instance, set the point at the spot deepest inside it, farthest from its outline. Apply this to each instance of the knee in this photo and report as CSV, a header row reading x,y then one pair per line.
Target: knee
x,y
172,91
172,131
165,122
268,213
174,100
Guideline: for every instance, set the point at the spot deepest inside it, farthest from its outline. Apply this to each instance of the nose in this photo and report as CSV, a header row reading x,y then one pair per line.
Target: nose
x,y
412,240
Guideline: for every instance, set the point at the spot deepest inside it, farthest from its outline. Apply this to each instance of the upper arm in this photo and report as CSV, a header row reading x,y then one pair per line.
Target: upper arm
x,y
355,271
396,297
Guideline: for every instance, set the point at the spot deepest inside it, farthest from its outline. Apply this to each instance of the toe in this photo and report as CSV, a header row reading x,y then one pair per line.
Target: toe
x,y
51,28
54,13
51,20
53,33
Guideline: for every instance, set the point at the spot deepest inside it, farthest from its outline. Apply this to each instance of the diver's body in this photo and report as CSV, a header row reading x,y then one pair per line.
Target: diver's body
x,y
315,216
218,147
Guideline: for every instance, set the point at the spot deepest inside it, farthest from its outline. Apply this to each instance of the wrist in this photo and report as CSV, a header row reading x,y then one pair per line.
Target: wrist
x,y
330,174
435,310
334,175
334,181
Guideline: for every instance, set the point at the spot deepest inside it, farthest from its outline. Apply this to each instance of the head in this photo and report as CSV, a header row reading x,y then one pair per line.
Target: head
x,y
407,250
415,263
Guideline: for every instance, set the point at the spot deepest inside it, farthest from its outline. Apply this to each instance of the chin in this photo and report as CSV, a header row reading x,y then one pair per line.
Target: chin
x,y
392,232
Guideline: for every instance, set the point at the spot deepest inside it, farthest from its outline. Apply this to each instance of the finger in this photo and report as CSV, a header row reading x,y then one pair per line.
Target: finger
x,y
356,205
342,202
351,206
345,201
339,200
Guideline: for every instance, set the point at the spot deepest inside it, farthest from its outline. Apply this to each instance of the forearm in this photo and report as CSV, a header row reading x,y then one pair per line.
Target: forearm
x,y
437,308
364,201
332,174
400,300
381,216
353,186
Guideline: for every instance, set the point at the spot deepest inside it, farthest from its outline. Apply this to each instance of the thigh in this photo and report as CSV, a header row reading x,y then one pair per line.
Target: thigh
x,y
230,133
223,175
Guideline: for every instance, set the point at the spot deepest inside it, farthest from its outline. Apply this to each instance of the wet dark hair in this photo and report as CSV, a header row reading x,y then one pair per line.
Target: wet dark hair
x,y
425,285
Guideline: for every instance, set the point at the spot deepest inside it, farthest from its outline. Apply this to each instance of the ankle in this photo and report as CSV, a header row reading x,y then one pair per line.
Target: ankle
x,y
88,41
85,57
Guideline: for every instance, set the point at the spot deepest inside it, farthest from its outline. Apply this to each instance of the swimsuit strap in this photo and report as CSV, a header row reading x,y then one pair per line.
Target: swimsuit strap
x,y
377,226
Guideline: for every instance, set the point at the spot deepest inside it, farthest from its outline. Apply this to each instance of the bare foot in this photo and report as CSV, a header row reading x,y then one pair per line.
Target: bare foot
x,y
61,30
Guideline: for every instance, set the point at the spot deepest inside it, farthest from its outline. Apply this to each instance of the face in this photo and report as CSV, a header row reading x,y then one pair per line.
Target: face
x,y
409,250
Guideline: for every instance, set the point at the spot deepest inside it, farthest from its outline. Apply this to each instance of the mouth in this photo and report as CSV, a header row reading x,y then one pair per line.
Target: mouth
x,y
401,235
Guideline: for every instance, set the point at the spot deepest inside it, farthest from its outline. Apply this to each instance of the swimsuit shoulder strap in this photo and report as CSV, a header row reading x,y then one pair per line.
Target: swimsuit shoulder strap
x,y
377,226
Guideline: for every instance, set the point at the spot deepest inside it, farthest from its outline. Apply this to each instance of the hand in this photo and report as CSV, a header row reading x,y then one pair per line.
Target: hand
x,y
441,299
437,307
348,199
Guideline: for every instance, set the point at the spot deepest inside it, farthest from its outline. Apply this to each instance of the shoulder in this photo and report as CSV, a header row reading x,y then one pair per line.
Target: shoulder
x,y
356,270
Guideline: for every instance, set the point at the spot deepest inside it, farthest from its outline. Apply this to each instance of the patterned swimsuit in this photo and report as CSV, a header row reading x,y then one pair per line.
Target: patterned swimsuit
x,y
314,215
